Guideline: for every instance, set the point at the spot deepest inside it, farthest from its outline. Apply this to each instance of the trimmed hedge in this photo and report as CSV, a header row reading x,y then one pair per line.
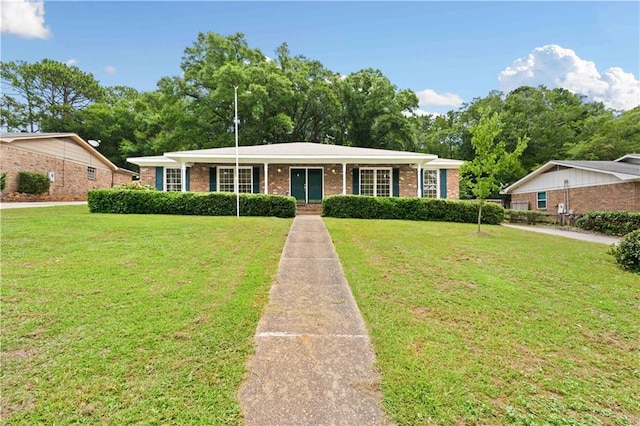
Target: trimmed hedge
x,y
529,217
363,207
33,183
127,201
610,223
627,253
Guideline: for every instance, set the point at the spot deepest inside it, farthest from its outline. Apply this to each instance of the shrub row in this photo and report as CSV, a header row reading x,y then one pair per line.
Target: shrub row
x,y
529,217
128,201
33,183
611,223
361,207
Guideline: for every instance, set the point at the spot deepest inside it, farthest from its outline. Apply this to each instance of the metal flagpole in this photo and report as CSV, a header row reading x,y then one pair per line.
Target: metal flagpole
x,y
236,185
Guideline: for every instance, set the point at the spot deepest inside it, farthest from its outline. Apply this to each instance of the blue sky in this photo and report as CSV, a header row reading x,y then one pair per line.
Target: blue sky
x,y
447,52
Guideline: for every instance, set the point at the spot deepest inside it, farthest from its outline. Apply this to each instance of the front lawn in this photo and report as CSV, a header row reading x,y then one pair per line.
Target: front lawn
x,y
123,319
508,327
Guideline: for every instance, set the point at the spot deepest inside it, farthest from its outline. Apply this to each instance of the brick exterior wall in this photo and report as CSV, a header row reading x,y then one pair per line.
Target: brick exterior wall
x,y
615,197
70,182
453,184
332,178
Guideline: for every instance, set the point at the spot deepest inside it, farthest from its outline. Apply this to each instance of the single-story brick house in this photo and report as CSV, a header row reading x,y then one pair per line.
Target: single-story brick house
x,y
72,165
575,187
307,171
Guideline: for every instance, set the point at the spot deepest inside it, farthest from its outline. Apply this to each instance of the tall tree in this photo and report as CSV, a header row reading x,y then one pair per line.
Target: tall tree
x,y
42,95
612,137
373,112
491,158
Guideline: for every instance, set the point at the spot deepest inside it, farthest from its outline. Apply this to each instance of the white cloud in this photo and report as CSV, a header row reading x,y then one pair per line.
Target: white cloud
x,y
71,62
23,18
419,112
555,66
431,97
110,69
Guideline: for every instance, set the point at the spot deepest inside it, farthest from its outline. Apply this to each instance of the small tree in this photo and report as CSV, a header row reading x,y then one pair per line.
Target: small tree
x,y
491,158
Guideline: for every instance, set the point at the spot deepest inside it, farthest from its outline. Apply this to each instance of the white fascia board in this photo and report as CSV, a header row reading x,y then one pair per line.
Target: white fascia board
x,y
443,163
158,161
528,177
622,176
307,159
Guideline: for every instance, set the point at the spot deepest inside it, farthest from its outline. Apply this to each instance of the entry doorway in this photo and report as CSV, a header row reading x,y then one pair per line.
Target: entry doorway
x,y
306,185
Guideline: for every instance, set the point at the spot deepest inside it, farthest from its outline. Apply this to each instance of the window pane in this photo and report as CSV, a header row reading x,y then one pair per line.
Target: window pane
x,y
245,183
430,184
367,182
226,179
542,200
383,182
173,179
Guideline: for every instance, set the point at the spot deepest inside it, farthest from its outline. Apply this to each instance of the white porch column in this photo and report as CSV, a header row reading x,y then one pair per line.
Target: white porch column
x,y
344,178
183,177
266,178
419,169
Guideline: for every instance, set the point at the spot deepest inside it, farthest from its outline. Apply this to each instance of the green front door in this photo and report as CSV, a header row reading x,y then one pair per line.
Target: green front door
x,y
299,184
306,185
314,178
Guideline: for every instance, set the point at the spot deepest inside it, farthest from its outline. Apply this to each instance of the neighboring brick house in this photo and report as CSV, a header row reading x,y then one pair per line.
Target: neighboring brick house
x,y
72,165
307,171
575,187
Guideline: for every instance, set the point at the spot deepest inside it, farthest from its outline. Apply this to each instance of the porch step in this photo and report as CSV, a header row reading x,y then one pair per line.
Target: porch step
x,y
310,209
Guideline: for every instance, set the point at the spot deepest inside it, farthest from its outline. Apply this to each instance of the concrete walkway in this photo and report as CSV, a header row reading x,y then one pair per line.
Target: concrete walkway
x,y
568,233
21,205
314,361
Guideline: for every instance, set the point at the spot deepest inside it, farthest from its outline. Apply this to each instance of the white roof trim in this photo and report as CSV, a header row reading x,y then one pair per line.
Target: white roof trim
x,y
295,153
11,137
550,164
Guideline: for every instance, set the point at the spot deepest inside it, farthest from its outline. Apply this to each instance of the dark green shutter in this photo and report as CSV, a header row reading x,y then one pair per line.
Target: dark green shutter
x,y
396,182
356,181
160,178
443,183
213,181
421,183
256,180
187,176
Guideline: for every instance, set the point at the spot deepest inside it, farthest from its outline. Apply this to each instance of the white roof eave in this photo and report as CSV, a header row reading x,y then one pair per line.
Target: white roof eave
x,y
307,159
152,161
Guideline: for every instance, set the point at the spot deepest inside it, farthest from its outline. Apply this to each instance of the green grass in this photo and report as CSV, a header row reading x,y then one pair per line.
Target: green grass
x,y
120,319
510,327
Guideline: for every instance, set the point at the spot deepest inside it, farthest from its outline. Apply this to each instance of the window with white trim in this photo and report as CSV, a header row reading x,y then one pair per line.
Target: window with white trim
x,y
173,179
91,173
430,183
375,182
226,177
541,199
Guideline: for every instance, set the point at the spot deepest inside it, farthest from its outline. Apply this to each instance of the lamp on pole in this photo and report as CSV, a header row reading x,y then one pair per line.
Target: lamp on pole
x,y
236,185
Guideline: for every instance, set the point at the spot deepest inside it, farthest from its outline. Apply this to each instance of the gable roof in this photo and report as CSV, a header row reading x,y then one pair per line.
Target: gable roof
x,y
629,158
12,137
291,153
625,171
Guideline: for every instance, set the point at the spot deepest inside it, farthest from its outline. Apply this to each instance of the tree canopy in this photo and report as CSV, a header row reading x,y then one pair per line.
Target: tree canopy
x,y
290,97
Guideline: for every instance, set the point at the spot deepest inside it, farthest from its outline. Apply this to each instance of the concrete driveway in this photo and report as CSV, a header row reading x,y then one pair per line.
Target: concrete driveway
x,y
568,233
